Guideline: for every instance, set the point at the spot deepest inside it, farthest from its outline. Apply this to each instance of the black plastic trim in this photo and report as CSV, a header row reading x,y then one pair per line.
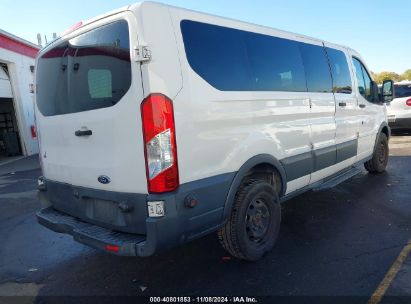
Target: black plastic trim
x,y
400,123
179,225
325,157
89,234
245,169
84,203
298,165
309,162
323,181
346,150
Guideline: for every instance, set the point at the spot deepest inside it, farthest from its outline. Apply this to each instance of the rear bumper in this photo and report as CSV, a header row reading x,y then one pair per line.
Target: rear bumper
x,y
161,234
400,123
91,235
73,211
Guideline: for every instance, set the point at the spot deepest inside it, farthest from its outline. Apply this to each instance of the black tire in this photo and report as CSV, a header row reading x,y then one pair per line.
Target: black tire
x,y
379,160
254,222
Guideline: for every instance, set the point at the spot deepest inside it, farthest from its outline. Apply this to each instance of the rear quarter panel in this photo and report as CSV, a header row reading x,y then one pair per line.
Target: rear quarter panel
x,y
162,74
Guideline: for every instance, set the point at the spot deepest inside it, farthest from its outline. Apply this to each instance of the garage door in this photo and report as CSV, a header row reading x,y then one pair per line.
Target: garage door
x,y
5,86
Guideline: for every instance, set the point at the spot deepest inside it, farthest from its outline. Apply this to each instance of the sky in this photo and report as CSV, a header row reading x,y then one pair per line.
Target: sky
x,y
379,31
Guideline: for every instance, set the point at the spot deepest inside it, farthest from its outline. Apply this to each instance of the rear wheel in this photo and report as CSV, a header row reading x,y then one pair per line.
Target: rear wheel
x,y
254,223
379,160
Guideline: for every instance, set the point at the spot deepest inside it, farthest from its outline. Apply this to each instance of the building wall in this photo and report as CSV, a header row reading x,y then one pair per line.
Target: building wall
x,y
21,78
5,87
6,105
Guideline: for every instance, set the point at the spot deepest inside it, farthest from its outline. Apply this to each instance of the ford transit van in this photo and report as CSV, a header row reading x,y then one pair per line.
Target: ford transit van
x,y
158,125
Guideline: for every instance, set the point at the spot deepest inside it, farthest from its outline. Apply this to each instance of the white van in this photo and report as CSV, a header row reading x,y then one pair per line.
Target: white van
x,y
159,125
399,109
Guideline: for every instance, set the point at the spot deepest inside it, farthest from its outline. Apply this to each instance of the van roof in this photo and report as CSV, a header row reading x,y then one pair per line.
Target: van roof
x,y
403,82
81,24
142,4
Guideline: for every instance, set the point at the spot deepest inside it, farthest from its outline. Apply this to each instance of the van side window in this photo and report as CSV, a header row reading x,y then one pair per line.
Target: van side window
x,y
340,72
276,63
234,60
363,79
317,70
217,54
402,90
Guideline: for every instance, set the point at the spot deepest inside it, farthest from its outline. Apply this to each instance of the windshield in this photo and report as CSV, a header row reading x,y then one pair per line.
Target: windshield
x,y
88,72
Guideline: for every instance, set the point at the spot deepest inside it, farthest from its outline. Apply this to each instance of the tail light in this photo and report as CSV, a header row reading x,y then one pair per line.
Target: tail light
x,y
33,131
38,136
112,248
408,102
160,143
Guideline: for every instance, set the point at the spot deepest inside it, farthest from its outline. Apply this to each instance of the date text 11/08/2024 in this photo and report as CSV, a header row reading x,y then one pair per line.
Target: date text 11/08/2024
x,y
203,300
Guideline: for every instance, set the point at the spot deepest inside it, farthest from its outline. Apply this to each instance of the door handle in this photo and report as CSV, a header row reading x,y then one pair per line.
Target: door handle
x,y
83,133
362,106
342,104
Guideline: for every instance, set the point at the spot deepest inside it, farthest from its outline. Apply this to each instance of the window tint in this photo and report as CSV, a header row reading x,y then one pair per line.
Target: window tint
x,y
368,80
363,79
340,71
90,71
217,54
234,60
359,76
402,90
317,70
276,64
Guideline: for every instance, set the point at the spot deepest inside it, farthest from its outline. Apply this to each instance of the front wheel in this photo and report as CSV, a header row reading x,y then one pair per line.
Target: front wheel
x,y
254,222
379,160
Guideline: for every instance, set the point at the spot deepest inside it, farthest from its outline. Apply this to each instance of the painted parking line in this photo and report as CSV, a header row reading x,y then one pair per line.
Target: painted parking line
x,y
390,276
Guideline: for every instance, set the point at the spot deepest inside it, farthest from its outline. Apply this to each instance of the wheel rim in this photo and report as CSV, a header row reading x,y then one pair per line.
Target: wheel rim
x,y
382,154
257,220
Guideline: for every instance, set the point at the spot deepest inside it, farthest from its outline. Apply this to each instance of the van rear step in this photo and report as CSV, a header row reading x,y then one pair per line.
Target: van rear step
x,y
119,243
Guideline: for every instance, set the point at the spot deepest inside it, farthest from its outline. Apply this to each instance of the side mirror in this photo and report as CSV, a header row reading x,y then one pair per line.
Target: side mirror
x,y
388,91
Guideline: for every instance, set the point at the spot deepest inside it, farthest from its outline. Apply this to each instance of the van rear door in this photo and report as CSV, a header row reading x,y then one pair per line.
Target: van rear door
x,y
88,99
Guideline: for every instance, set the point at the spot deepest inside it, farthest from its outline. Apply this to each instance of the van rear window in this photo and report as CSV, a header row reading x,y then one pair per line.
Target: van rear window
x,y
88,72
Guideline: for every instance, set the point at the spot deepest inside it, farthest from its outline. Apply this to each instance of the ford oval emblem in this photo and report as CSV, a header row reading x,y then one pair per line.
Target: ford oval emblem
x,y
104,179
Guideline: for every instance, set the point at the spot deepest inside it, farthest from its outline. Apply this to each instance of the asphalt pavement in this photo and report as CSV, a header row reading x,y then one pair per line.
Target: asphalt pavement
x,y
340,242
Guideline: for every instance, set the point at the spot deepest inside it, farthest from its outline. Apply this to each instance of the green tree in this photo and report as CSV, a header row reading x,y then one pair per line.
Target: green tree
x,y
406,75
380,77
